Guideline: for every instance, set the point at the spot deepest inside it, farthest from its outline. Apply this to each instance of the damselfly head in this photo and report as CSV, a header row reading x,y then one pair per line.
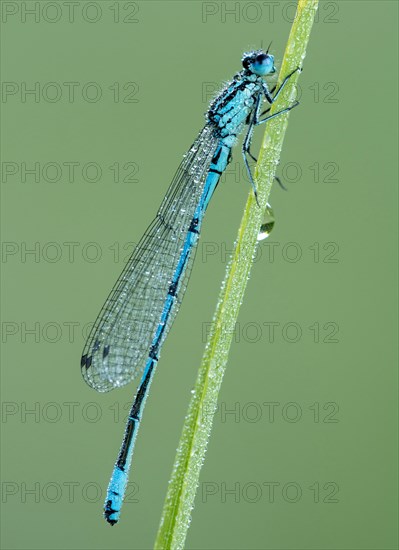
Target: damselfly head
x,y
259,62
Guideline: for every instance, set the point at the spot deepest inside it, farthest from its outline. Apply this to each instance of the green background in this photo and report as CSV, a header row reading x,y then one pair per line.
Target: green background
x,y
329,450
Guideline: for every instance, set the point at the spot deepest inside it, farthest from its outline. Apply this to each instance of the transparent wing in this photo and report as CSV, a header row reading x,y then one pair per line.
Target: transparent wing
x,y
120,339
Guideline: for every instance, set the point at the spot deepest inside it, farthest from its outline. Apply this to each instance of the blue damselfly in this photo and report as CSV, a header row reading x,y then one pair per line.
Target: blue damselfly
x,y
127,336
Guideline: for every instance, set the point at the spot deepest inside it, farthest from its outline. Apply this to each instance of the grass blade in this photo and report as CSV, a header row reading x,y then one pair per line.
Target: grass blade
x,y
176,515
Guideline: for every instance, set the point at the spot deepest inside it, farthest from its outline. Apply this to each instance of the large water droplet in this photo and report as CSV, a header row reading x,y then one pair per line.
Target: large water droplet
x,y
267,224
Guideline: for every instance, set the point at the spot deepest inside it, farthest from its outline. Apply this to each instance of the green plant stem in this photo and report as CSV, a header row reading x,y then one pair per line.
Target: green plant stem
x,y
179,502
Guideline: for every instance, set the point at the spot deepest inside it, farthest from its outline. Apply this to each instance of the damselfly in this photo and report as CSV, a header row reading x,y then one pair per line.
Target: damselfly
x,y
127,336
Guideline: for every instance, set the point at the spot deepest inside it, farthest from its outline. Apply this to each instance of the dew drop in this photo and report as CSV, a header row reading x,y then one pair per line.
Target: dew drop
x,y
267,224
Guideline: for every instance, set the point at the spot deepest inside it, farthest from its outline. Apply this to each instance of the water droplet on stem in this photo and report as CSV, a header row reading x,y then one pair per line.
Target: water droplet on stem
x,y
267,224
